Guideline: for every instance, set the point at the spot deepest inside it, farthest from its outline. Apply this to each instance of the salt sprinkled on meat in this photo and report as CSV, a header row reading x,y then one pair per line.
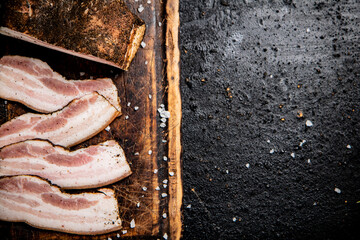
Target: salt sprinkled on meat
x,y
308,30
165,114
146,62
150,152
137,154
165,181
164,215
124,231
309,123
164,195
157,188
143,44
107,128
268,141
150,96
109,238
149,2
302,143
136,108
127,117
188,206
337,190
141,8
165,236
155,171
163,120
272,151
144,188
118,235
132,223
164,141
292,155
172,173
162,125
138,204
165,185
227,171
159,24
165,158
234,219
247,165
309,161
348,146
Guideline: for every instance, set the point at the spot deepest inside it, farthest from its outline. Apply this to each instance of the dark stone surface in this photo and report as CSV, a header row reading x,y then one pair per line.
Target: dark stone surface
x,y
248,69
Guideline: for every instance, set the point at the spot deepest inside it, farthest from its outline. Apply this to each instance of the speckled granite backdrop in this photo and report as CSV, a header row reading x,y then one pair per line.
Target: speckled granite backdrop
x,y
253,74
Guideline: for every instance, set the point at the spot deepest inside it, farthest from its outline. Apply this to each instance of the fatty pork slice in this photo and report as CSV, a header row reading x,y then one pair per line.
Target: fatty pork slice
x,y
34,201
90,167
77,122
33,83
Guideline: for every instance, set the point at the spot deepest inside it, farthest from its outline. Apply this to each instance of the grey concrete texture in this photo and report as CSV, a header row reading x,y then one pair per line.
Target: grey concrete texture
x,y
271,119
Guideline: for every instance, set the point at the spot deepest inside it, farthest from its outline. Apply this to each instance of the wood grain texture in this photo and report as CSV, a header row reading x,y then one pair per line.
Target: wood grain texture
x,y
174,102
145,86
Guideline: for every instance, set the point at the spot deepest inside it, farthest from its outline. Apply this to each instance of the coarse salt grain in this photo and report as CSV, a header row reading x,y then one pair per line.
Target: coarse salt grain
x,y
82,74
160,24
309,161
118,235
138,204
308,123
188,206
234,219
124,231
146,62
165,114
163,120
149,2
272,151
171,173
155,171
165,158
136,108
162,105
128,104
162,125
143,44
160,110
268,141
165,181
107,128
164,195
127,117
302,143
137,154
227,171
348,146
165,185
292,155
247,165
141,8
308,30
109,238
337,190
144,188
150,96
164,215
150,152
132,223
165,236
157,188
164,141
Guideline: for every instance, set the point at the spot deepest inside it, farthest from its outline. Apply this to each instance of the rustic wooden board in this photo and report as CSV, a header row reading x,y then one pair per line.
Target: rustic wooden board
x,y
155,73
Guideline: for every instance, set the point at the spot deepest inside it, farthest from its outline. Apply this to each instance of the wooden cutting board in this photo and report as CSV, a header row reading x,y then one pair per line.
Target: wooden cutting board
x,y
152,80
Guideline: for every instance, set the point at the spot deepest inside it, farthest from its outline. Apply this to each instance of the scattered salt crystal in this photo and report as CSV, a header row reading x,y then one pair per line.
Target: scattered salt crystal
x,y
143,44
164,140
165,185
137,154
165,158
308,30
165,181
164,194
164,215
292,155
132,223
150,96
107,128
124,231
268,141
5,102
141,8
227,171
128,104
127,117
109,238
136,108
146,62
165,114
272,151
118,235
302,143
144,188
150,152
337,190
271,76
163,120
159,24
157,188
82,74
138,204
172,173
309,161
162,105
348,146
91,77
247,165
155,171
315,203
188,206
162,125
165,236
309,123
160,110
149,2
234,219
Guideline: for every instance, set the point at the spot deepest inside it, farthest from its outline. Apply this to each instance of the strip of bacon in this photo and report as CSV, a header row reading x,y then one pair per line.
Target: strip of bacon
x,y
33,200
91,167
77,122
33,83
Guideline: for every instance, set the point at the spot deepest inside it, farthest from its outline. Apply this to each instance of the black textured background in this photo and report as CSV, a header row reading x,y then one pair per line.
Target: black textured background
x,y
248,69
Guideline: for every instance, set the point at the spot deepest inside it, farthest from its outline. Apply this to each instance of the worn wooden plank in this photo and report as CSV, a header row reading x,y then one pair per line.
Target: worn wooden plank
x,y
146,85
